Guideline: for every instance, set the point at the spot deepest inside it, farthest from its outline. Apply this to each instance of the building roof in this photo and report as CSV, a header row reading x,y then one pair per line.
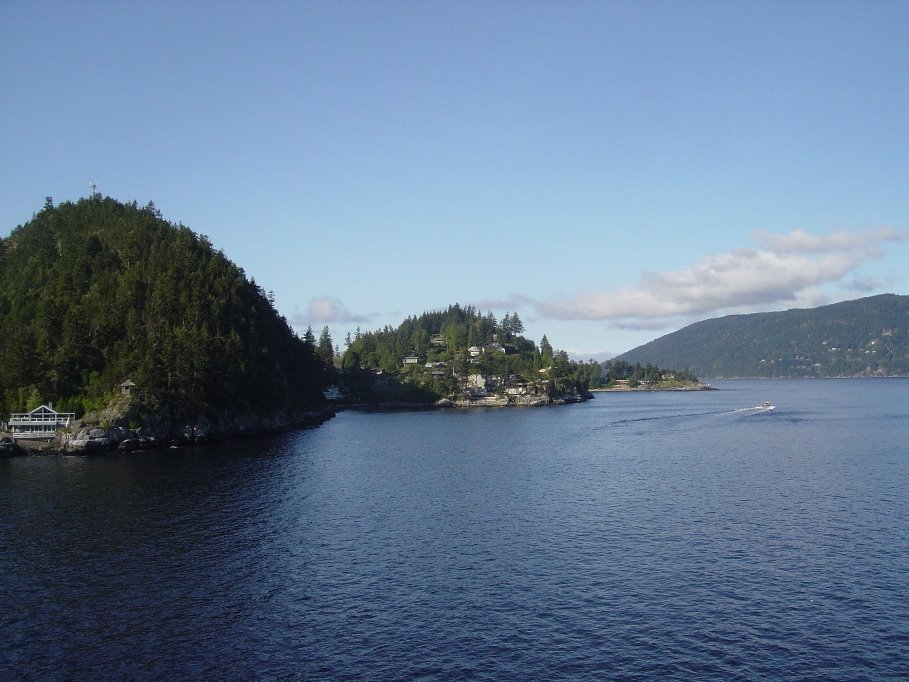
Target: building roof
x,y
44,409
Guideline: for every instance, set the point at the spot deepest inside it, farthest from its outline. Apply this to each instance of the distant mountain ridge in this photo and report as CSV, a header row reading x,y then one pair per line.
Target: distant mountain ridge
x,y
865,337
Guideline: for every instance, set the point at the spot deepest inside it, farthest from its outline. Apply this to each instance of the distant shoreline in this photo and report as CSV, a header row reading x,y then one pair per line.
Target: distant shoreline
x,y
445,404
639,389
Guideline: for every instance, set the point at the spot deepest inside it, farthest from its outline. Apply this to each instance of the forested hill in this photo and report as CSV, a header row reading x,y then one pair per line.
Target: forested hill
x,y
865,337
453,352
96,292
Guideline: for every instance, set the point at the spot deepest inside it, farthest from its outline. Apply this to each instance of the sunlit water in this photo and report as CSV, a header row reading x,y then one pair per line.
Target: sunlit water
x,y
664,536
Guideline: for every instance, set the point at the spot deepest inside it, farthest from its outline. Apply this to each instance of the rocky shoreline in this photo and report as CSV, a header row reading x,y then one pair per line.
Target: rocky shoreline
x,y
487,401
521,401
158,432
628,389
105,432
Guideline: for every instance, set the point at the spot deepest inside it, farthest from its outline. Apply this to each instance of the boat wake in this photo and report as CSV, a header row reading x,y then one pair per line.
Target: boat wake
x,y
662,417
757,409
673,418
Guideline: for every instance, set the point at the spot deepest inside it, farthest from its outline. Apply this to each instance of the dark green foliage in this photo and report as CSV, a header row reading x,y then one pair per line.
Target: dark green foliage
x,y
95,292
865,337
325,349
446,337
635,374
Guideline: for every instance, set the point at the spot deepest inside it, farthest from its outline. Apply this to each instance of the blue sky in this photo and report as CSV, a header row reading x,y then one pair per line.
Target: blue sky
x,y
610,171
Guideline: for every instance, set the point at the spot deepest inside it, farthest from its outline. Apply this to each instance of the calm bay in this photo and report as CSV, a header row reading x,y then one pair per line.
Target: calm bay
x,y
684,535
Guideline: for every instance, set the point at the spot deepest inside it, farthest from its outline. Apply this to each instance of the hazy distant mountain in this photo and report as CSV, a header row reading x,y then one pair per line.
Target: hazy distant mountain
x,y
865,337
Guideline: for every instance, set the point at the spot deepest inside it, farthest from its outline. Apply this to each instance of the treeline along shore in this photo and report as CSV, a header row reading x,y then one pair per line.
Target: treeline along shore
x,y
141,333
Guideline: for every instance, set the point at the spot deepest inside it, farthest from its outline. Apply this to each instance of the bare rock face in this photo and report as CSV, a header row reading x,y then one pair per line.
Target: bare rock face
x,y
159,430
95,438
527,400
530,400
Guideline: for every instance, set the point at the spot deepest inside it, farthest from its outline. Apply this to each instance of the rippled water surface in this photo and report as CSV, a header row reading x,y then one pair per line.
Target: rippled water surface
x,y
669,535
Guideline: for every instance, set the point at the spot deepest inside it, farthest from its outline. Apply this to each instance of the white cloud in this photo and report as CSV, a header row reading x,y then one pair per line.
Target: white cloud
x,y
789,270
324,309
804,242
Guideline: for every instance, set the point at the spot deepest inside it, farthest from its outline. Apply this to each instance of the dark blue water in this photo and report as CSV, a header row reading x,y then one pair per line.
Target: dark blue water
x,y
638,536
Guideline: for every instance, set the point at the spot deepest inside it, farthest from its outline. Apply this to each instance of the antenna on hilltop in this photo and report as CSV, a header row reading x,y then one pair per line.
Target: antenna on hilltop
x,y
95,193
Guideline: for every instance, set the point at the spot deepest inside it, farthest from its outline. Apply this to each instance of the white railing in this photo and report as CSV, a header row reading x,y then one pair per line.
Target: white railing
x,y
43,425
27,418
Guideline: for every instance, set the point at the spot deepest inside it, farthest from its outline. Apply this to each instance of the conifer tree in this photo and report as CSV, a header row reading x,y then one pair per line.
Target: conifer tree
x,y
326,349
100,291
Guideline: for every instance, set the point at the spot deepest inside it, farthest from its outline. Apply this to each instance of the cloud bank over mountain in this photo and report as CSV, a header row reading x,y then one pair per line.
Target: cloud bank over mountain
x,y
790,269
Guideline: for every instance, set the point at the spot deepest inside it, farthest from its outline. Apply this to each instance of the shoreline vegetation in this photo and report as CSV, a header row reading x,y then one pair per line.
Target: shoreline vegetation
x,y
139,333
86,437
133,332
624,388
129,324
102,431
94,435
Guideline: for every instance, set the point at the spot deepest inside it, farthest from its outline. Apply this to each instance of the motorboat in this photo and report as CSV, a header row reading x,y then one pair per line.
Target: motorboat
x,y
767,406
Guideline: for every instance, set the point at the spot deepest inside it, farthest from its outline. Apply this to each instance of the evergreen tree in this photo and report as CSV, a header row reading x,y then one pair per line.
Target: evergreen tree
x,y
101,291
546,352
325,348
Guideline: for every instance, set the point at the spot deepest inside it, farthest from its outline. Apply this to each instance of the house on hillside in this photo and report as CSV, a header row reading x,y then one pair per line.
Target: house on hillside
x,y
517,385
437,368
476,381
42,422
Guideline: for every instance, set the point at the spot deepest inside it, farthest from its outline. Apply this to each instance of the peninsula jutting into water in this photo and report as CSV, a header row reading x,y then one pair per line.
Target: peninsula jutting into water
x,y
102,293
141,332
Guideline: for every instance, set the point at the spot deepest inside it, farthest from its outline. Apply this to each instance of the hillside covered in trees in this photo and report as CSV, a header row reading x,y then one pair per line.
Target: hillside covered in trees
x,y
864,337
96,292
458,353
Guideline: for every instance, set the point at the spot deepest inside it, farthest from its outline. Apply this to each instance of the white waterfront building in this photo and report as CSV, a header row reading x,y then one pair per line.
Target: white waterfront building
x,y
42,422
